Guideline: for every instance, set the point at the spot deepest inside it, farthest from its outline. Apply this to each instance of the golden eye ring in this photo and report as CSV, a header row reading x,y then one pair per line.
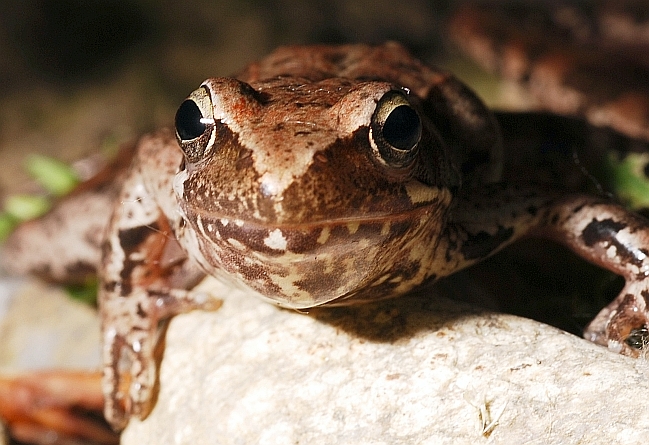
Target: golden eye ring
x,y
195,125
395,129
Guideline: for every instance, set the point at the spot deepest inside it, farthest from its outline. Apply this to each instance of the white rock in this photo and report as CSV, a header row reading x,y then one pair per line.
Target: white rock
x,y
41,327
415,370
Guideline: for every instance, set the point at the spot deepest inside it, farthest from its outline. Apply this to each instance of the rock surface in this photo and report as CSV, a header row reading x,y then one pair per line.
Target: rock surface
x,y
43,328
416,370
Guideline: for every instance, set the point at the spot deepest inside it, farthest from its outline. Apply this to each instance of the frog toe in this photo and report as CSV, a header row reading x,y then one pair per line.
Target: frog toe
x,y
116,404
129,381
143,372
623,325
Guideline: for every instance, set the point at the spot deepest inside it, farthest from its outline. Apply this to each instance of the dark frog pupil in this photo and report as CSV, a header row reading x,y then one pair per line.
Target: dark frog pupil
x,y
402,127
188,121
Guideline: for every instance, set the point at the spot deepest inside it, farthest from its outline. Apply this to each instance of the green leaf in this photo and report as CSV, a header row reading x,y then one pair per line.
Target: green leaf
x,y
86,293
628,179
57,177
7,224
24,207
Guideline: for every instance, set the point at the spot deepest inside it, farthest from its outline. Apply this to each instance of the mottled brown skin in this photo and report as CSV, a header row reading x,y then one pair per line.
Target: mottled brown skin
x,y
586,59
294,181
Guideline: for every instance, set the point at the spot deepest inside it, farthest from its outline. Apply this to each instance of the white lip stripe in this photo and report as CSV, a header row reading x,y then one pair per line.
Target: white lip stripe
x,y
276,240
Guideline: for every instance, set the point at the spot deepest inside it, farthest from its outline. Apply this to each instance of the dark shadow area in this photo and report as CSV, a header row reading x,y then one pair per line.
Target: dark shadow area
x,y
72,40
534,279
396,319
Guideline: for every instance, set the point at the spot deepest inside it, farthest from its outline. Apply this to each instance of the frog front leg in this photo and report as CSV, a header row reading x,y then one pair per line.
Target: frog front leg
x,y
142,279
598,230
614,238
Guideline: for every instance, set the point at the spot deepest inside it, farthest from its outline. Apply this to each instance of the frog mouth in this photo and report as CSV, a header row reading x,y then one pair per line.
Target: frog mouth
x,y
306,237
421,201
302,265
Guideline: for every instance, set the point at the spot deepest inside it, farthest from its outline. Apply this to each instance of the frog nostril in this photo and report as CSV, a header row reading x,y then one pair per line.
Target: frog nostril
x,y
189,124
402,128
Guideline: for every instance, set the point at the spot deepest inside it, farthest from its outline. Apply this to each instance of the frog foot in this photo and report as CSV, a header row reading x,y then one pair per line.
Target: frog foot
x,y
130,352
623,325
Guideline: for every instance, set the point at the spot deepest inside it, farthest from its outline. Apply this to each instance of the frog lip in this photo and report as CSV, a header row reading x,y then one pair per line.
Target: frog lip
x,y
372,218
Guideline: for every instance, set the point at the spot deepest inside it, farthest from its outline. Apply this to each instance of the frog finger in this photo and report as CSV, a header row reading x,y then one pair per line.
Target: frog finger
x,y
115,403
130,362
623,325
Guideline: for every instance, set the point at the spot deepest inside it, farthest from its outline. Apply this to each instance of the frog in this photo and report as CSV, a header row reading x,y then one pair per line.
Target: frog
x,y
322,176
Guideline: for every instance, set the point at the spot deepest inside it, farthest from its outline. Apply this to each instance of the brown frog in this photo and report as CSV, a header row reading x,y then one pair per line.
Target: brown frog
x,y
329,175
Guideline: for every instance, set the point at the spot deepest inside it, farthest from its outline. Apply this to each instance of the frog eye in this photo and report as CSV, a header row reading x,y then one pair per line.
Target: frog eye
x,y
395,129
195,124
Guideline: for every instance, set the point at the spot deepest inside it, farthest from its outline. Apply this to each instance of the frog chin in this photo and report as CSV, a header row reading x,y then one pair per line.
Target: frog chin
x,y
302,266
